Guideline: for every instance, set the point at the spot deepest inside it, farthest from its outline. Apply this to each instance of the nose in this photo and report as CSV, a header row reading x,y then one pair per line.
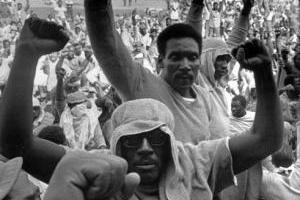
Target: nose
x,y
185,65
145,148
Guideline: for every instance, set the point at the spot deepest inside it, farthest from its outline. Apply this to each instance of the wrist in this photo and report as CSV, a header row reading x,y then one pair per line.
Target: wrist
x,y
246,11
96,5
26,49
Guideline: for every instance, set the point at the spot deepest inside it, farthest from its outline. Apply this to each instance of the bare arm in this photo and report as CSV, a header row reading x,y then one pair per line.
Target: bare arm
x,y
60,96
241,26
194,17
109,49
266,132
27,6
16,137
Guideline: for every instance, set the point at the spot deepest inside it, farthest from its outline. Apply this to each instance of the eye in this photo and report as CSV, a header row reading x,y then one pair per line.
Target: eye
x,y
193,57
158,139
174,57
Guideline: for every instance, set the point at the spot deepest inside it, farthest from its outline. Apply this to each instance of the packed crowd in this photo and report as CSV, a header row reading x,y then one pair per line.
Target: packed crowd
x,y
196,101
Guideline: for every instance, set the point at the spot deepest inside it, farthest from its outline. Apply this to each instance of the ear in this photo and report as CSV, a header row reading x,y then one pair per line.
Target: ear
x,y
159,64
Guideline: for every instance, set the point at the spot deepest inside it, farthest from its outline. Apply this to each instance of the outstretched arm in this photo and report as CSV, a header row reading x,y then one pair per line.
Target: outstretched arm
x,y
241,26
37,38
109,49
265,136
194,17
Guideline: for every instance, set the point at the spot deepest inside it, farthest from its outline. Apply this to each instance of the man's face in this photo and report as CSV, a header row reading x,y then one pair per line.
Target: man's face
x,y
59,3
6,44
19,6
147,154
36,112
215,6
297,61
181,63
77,50
297,84
88,54
221,66
237,109
53,57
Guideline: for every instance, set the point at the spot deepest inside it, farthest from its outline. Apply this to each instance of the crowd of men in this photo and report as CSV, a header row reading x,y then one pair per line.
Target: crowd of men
x,y
196,101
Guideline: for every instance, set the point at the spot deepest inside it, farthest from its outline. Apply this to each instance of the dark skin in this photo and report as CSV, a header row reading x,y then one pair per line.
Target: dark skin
x,y
148,155
265,137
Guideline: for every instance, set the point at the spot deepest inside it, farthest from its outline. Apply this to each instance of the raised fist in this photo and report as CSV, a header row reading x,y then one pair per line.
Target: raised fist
x,y
253,55
42,37
96,4
198,2
91,176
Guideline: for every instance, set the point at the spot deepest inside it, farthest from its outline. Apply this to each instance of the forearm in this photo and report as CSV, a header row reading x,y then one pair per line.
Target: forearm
x,y
194,17
239,31
60,96
16,110
268,124
109,50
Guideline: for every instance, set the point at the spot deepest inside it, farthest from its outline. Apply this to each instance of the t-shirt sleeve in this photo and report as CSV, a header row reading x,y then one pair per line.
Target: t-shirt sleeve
x,y
213,162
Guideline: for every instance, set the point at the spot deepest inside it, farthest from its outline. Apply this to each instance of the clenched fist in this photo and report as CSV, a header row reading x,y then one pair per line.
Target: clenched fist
x,y
253,55
96,4
91,176
42,37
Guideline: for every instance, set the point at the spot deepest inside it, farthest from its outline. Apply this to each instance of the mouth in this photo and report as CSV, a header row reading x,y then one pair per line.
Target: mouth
x,y
145,166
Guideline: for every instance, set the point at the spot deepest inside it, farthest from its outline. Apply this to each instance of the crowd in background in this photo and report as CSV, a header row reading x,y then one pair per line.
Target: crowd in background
x,y
73,100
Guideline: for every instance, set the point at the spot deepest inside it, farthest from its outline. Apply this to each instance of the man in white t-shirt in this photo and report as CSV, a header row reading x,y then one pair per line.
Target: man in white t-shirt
x,y
59,9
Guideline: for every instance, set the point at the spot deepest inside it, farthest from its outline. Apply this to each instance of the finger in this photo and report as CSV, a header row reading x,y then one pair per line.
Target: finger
x,y
240,56
99,177
260,47
118,172
249,49
47,46
132,181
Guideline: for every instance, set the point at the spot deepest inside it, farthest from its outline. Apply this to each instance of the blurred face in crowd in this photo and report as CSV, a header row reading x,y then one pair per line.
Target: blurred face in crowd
x,y
237,109
180,64
143,29
147,154
59,3
77,50
53,57
297,84
221,66
215,6
77,30
70,55
297,60
19,6
168,22
36,112
88,54
6,44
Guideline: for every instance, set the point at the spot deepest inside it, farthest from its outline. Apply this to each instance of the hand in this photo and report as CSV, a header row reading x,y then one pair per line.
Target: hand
x,y
42,37
81,175
96,4
198,2
60,73
253,55
248,4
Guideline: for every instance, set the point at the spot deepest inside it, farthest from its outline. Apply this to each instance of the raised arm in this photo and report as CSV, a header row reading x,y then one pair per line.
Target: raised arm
x,y
265,136
60,96
37,38
194,17
241,26
27,6
109,49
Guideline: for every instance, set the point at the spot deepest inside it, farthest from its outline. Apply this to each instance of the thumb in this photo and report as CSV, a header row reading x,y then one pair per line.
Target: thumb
x,y
240,57
132,180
